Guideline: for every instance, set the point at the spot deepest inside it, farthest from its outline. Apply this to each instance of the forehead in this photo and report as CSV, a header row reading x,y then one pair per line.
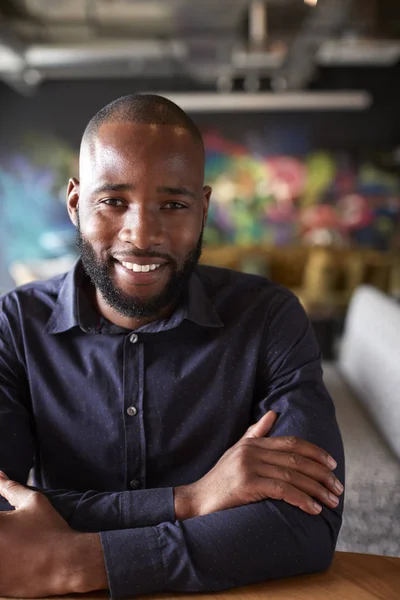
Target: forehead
x,y
138,149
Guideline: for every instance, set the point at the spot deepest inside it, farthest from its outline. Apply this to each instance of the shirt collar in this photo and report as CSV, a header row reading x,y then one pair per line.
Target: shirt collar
x,y
200,308
73,308
65,313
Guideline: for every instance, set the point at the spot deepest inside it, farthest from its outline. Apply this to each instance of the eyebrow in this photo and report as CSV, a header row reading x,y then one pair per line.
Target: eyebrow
x,y
128,187
176,191
114,187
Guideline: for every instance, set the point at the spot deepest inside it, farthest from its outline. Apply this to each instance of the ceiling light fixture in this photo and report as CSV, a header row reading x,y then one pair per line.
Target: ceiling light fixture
x,y
208,102
311,2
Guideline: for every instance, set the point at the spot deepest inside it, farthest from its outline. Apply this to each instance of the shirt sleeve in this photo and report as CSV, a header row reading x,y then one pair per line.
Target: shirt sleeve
x,y
91,511
260,541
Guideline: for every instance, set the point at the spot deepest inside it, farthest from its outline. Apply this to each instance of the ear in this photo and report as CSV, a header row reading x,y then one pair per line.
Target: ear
x,y
206,202
73,200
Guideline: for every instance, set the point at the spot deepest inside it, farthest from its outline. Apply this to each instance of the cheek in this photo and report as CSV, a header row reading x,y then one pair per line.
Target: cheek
x,y
97,230
184,240
184,229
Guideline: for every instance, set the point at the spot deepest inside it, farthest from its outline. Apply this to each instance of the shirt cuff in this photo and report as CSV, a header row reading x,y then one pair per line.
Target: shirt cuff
x,y
4,505
133,562
144,508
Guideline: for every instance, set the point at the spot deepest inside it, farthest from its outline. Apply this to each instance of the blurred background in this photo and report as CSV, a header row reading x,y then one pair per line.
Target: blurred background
x,y
298,102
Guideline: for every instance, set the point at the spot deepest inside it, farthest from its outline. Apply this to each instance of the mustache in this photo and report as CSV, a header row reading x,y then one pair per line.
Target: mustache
x,y
138,254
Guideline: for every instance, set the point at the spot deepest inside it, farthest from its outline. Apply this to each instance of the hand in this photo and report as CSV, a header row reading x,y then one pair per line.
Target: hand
x,y
257,468
40,555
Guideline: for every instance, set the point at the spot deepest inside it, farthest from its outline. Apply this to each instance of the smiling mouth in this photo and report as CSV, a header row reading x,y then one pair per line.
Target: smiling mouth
x,y
136,268
139,274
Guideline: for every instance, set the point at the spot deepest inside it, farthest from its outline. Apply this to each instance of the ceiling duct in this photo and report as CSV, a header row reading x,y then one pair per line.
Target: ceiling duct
x,y
356,52
326,20
107,58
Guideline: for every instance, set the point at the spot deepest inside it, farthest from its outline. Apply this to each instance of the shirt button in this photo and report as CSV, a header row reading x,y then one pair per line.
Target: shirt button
x,y
133,338
135,484
131,411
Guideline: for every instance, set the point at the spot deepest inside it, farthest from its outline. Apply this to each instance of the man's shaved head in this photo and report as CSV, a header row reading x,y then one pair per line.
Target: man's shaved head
x,y
148,109
139,206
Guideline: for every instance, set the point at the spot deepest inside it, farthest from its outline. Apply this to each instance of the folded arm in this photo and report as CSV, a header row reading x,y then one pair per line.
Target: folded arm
x,y
249,543
231,548
257,541
90,511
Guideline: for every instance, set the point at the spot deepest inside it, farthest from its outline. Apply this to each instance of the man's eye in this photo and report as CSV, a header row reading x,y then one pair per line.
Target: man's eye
x,y
174,205
112,202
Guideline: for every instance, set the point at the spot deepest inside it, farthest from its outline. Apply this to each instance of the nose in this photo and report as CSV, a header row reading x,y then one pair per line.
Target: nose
x,y
142,228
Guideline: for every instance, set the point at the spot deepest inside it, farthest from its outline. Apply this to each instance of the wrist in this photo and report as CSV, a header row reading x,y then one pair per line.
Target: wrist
x,y
184,502
85,567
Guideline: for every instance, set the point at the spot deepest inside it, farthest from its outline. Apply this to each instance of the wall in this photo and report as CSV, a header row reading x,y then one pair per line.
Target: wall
x,y
281,178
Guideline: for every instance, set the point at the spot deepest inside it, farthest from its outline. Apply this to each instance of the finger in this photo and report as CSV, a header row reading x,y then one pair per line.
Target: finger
x,y
16,494
263,426
290,461
280,490
312,488
296,445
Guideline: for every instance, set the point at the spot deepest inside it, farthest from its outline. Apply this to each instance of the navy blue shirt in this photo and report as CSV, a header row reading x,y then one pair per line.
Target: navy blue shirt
x,y
111,420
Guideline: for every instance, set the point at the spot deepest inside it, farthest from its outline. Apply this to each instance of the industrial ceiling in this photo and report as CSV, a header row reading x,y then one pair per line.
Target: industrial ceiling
x,y
212,42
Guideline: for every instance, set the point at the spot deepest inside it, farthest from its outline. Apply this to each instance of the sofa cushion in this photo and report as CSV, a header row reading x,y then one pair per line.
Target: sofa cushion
x,y
371,519
369,359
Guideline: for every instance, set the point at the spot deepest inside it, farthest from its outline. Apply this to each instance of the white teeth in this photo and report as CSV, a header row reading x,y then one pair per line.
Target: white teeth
x,y
140,268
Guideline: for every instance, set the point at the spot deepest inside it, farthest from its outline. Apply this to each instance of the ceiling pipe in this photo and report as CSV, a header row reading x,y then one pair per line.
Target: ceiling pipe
x,y
326,20
258,25
254,60
60,55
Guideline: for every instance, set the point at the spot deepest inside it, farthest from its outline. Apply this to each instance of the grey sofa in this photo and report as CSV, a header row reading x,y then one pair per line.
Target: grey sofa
x,y
365,385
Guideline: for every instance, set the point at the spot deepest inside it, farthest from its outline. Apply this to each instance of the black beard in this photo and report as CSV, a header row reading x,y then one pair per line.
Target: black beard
x,y
135,307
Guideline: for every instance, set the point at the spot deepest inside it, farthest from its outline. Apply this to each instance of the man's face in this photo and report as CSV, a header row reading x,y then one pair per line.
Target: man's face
x,y
142,208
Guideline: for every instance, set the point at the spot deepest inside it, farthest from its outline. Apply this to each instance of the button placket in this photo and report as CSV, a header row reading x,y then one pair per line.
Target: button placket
x,y
133,403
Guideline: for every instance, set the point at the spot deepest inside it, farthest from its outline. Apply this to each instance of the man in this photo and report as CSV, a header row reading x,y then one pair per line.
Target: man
x,y
174,415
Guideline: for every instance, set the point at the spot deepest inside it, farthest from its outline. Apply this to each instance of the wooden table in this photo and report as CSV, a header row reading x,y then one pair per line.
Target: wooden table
x,y
351,577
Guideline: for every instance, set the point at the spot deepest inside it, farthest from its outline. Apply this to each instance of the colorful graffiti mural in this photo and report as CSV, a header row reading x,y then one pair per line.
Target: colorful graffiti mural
x,y
316,198
34,224
281,199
